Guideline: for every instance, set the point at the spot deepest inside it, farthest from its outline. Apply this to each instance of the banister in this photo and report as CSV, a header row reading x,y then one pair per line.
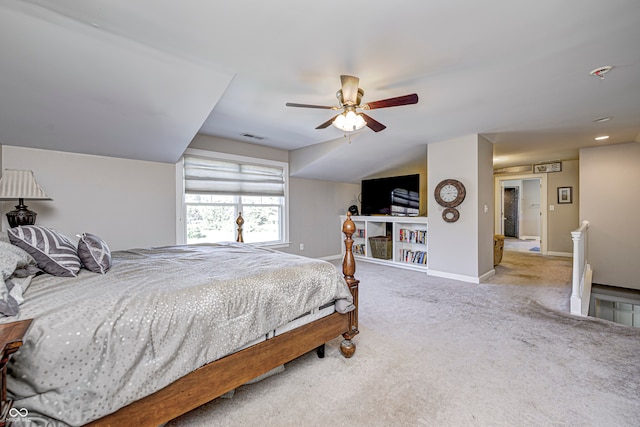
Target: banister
x,y
581,278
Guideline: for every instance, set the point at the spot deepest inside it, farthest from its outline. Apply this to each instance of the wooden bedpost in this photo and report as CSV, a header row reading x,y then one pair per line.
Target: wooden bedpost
x,y
240,221
348,270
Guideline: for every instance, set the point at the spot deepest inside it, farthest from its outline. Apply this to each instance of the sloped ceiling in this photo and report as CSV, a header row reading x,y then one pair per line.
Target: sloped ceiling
x,y
140,79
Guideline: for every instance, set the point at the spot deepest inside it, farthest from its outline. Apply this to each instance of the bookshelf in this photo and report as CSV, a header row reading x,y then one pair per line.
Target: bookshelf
x,y
407,237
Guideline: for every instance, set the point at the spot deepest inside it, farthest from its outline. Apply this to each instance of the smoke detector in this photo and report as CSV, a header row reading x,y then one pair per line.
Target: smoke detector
x,y
601,71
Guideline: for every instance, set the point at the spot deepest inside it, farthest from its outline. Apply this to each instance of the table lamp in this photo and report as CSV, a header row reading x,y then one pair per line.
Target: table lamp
x,y
21,185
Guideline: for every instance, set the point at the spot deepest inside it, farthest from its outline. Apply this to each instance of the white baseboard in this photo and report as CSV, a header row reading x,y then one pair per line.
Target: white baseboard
x,y
331,257
564,254
461,277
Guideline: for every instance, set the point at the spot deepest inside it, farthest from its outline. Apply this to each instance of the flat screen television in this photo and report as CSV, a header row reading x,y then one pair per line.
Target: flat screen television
x,y
395,195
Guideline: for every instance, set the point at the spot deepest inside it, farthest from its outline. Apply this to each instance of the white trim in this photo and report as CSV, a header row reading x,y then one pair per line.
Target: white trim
x,y
330,257
488,274
181,207
460,277
564,254
391,263
181,212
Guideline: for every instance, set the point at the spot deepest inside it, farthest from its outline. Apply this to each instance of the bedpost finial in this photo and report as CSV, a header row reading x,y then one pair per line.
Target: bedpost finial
x,y
239,222
348,228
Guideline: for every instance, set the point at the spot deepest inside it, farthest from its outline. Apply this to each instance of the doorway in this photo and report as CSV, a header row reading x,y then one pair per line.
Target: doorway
x,y
519,207
511,216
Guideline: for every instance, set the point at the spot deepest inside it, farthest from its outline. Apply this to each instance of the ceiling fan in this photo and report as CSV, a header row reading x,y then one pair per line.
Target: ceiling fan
x,y
349,97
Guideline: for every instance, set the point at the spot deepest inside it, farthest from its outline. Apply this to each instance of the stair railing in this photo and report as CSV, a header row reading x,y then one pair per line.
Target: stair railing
x,y
581,281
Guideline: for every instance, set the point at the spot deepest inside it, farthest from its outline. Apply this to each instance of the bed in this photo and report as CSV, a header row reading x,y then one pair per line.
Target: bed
x,y
142,343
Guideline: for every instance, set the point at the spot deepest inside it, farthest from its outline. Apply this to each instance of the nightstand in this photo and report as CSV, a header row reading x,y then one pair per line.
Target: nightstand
x,y
11,338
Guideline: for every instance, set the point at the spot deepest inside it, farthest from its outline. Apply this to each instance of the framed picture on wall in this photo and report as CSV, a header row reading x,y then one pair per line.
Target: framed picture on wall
x,y
547,167
564,195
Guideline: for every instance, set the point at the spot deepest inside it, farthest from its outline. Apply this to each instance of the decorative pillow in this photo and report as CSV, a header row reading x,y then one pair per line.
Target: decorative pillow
x,y
9,299
13,259
54,253
94,253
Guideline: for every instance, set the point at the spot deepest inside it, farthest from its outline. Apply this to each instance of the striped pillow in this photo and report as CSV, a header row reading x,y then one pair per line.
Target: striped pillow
x,y
94,253
53,251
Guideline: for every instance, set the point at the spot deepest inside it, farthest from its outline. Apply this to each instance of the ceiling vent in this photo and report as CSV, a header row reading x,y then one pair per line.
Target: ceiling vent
x,y
602,119
248,135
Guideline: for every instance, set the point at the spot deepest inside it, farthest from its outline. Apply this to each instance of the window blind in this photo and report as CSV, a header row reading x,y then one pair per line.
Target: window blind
x,y
204,175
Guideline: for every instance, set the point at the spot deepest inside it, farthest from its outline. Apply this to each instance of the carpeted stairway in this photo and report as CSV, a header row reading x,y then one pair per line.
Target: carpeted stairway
x,y
438,352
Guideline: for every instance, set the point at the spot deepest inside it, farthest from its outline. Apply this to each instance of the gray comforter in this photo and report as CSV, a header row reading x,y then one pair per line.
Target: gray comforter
x,y
99,342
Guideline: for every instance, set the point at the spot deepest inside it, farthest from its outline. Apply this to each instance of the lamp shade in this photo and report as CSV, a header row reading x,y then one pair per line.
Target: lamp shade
x,y
349,121
20,184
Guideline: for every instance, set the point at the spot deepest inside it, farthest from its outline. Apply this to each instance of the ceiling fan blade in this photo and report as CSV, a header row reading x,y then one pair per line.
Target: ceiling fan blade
x,y
392,102
328,122
324,107
372,124
349,89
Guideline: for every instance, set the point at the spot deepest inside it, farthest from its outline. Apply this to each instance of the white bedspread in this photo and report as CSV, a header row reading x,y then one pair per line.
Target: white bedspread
x,y
99,342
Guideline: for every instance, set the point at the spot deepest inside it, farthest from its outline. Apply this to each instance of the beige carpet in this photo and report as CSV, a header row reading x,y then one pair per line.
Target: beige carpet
x,y
437,352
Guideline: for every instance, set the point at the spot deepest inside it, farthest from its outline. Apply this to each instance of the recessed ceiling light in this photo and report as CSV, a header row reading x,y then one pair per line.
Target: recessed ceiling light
x,y
603,137
602,119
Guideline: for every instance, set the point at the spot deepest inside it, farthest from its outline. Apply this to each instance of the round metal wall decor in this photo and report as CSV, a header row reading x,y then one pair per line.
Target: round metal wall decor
x,y
450,215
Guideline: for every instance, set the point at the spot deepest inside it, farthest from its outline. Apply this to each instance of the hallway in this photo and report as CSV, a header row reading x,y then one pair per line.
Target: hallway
x,y
546,277
521,245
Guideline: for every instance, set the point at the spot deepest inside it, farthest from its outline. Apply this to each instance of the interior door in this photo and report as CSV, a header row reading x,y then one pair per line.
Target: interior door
x,y
510,212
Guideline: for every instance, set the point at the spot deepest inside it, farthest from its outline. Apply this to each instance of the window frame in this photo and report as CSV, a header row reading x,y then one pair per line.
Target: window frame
x,y
181,205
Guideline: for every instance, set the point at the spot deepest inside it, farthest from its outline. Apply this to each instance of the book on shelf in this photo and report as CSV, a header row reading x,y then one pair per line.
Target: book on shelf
x,y
414,257
358,249
359,233
412,236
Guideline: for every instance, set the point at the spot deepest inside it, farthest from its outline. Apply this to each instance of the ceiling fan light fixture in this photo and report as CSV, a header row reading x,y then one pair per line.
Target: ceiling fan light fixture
x,y
349,121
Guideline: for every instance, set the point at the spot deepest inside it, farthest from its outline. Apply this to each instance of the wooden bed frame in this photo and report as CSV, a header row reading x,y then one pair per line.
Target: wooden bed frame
x,y
219,377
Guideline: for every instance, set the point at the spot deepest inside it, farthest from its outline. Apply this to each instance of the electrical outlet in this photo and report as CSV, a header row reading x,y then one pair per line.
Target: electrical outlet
x,y
302,246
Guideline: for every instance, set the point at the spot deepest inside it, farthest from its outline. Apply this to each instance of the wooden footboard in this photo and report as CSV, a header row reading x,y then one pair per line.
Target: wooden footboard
x,y
230,372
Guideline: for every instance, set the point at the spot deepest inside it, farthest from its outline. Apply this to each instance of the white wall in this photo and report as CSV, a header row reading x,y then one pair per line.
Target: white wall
x,y
530,221
463,249
129,203
610,201
315,207
484,207
564,218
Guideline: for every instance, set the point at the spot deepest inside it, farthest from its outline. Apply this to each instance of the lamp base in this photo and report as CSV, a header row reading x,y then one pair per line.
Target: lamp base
x,y
21,215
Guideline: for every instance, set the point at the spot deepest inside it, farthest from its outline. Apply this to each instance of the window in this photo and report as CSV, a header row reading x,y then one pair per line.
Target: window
x,y
619,310
218,187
